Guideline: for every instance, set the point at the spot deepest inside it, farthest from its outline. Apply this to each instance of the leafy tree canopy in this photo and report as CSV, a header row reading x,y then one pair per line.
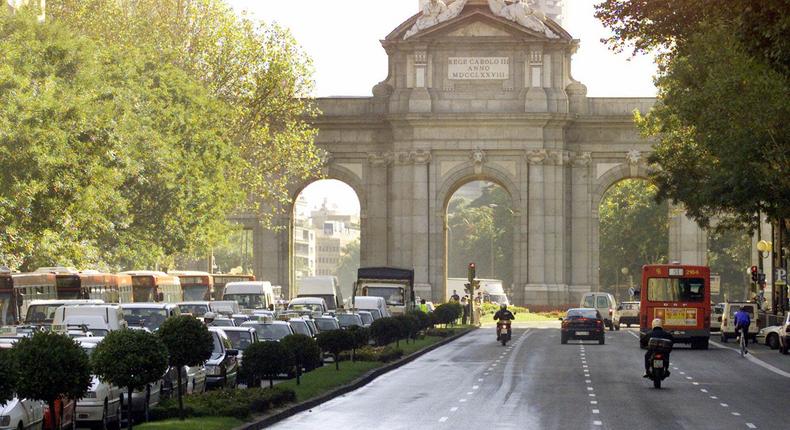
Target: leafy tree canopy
x,y
7,376
130,358
188,341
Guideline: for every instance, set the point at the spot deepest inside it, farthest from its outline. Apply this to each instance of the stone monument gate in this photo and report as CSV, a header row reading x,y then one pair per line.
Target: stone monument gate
x,y
481,90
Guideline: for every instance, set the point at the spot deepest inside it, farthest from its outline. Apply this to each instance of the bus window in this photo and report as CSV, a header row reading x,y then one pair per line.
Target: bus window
x,y
675,290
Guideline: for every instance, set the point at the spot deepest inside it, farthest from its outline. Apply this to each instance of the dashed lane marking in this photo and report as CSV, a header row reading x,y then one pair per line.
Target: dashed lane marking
x,y
474,387
597,423
714,397
596,411
454,408
590,389
593,402
443,419
591,394
724,405
462,400
695,383
703,390
736,414
751,426
469,393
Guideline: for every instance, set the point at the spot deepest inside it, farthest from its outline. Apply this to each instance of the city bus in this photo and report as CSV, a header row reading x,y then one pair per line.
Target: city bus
x,y
8,305
221,280
33,286
196,286
90,284
680,296
152,286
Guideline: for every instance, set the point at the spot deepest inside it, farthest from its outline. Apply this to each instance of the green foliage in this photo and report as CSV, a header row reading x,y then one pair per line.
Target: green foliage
x,y
304,349
447,313
383,354
265,360
477,225
7,376
130,358
409,325
227,403
188,341
634,231
205,423
361,335
723,145
386,330
335,342
51,366
729,254
257,71
424,320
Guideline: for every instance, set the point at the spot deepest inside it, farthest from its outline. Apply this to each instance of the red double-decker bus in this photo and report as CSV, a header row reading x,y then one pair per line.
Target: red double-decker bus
x,y
680,296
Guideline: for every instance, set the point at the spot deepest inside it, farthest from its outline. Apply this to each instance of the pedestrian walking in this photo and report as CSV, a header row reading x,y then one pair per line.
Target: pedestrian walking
x,y
455,297
465,306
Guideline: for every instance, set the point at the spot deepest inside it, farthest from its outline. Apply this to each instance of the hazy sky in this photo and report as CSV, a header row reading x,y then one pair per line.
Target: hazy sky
x,y
342,37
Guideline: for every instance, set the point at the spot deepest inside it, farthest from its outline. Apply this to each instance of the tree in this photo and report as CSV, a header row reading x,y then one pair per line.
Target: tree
x,y
265,360
51,366
409,326
189,343
447,313
634,231
305,352
385,330
335,342
723,145
258,71
361,336
424,321
729,254
131,359
7,376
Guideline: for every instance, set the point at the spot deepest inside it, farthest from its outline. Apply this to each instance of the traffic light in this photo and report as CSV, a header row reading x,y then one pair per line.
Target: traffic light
x,y
755,274
471,272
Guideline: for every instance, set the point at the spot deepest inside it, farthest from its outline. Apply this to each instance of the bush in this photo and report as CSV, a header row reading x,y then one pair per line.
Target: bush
x,y
383,354
424,320
335,342
447,313
265,360
7,376
361,336
305,352
385,330
409,326
227,403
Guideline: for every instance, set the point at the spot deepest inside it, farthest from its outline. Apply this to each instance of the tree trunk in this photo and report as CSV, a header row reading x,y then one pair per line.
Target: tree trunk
x,y
298,374
180,398
51,405
337,361
129,409
352,354
271,382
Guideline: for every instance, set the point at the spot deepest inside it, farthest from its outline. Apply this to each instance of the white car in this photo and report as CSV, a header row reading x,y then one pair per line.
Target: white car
x,y
784,336
102,403
21,414
769,336
196,379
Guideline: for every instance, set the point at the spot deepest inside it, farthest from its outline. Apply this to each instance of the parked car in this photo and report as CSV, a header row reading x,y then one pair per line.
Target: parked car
x,y
728,320
98,319
270,330
605,304
717,313
377,306
367,318
299,326
222,368
240,319
196,379
348,320
196,309
101,406
223,322
769,336
240,338
628,313
21,414
583,324
326,323
784,336
310,305
148,315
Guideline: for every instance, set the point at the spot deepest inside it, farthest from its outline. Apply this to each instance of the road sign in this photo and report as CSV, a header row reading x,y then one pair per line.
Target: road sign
x,y
781,275
715,284
631,291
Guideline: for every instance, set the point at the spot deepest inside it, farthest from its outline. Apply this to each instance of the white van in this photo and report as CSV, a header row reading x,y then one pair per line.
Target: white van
x,y
606,305
324,287
728,320
250,295
314,305
492,289
377,306
98,319
42,312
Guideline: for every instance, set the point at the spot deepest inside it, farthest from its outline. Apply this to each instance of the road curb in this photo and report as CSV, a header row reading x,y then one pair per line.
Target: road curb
x,y
353,385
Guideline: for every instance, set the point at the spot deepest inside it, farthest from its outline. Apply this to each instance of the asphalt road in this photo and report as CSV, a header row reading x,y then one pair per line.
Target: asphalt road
x,y
537,383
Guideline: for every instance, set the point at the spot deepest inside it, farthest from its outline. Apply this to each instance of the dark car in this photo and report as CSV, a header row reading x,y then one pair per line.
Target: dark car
x,y
222,368
347,320
582,324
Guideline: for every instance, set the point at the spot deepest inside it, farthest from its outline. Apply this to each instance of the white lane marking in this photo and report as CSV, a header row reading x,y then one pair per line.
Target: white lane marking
x,y
703,390
590,389
443,419
755,360
596,411
714,397
462,400
474,387
588,381
493,365
689,377
633,334
674,368
591,394
593,402
695,383
454,408
751,426
724,405
597,423
682,373
736,414
479,379
469,393
584,366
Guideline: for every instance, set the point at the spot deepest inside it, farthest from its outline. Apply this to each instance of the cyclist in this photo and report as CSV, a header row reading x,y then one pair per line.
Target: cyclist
x,y
743,319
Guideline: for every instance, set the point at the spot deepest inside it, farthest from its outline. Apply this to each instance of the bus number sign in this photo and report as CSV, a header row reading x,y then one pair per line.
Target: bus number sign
x,y
675,271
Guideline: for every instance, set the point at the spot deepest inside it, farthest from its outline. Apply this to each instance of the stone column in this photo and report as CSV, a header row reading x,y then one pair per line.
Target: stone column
x,y
271,253
535,98
420,220
582,271
688,243
420,98
374,245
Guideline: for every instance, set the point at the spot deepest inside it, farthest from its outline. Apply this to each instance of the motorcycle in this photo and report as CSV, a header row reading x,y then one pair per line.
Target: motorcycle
x,y
503,332
659,360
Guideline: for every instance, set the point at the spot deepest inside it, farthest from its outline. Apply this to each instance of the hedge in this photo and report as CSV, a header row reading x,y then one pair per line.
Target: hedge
x,y
226,403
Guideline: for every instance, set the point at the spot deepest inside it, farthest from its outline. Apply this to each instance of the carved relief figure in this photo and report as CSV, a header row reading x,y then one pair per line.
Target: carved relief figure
x,y
435,12
519,11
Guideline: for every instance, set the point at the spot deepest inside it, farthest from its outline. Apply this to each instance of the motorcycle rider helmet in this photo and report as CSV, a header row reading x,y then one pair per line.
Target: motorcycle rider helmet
x,y
658,323
208,317
503,306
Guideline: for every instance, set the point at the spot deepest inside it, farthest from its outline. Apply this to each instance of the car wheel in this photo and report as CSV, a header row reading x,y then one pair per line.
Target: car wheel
x,y
103,425
118,423
601,340
772,341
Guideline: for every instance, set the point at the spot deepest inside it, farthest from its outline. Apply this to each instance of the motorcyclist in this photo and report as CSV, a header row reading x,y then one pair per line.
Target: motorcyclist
x,y
657,332
501,316
208,318
743,319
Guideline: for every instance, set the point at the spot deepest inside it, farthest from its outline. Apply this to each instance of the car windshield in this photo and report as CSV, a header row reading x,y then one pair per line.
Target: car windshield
x,y
145,317
300,327
675,290
40,314
197,310
223,322
392,295
195,292
247,301
311,307
239,339
375,313
325,324
272,331
582,313
240,320
347,320
367,319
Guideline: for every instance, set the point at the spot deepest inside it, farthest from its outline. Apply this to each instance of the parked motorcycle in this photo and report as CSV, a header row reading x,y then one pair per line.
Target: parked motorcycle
x,y
658,361
503,332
